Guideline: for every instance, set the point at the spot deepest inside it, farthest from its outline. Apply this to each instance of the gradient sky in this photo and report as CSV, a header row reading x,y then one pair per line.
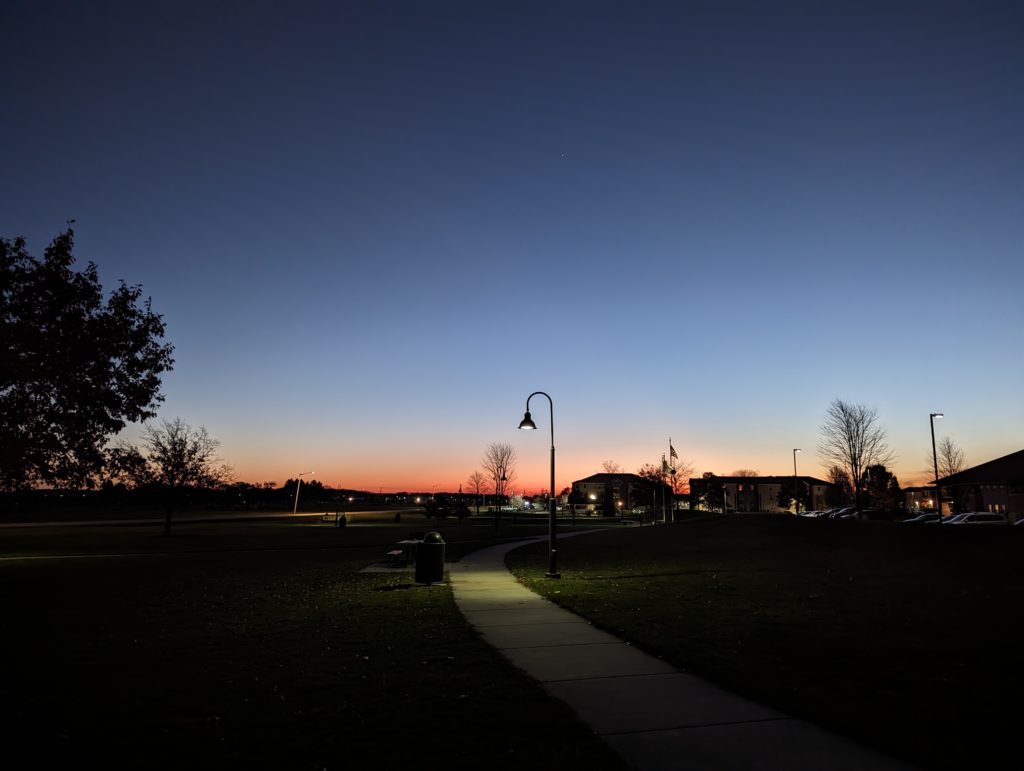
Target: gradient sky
x,y
374,228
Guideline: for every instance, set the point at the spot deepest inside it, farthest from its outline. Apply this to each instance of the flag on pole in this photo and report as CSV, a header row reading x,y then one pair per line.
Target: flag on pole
x,y
672,450
664,465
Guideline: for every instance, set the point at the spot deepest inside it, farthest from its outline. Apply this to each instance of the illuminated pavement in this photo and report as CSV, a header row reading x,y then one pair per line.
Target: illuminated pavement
x,y
653,715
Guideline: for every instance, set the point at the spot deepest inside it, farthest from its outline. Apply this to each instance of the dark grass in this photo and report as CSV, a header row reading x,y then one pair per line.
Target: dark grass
x,y
258,646
905,637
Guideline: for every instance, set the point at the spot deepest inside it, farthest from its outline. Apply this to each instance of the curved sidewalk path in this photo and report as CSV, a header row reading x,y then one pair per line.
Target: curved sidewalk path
x,y
653,715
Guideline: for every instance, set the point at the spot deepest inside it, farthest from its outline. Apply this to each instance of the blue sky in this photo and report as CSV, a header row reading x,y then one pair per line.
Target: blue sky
x,y
374,228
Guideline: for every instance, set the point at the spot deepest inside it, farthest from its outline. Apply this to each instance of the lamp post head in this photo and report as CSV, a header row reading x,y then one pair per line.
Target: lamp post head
x,y
797,449
527,423
937,415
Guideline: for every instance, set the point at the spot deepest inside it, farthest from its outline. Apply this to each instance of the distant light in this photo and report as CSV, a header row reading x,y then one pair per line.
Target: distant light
x,y
938,415
527,423
593,497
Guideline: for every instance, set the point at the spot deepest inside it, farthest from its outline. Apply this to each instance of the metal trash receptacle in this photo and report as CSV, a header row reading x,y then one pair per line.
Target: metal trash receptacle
x,y
430,559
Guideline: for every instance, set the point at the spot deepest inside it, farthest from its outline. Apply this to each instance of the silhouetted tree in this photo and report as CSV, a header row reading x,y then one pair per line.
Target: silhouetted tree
x,y
786,497
679,473
883,488
853,439
174,456
707,491
841,491
499,462
745,472
611,467
651,472
950,456
311,492
476,483
76,367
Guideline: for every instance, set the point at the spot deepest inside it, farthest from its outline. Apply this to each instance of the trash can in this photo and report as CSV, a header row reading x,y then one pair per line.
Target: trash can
x,y
430,559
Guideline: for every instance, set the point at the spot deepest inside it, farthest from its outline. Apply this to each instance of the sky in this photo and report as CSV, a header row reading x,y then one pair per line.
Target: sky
x,y
374,228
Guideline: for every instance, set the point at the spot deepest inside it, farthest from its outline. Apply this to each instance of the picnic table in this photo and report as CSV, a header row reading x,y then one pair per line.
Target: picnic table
x,y
405,551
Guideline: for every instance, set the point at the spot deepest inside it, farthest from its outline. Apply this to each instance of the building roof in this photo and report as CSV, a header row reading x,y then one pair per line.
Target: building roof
x,y
767,480
604,478
1008,470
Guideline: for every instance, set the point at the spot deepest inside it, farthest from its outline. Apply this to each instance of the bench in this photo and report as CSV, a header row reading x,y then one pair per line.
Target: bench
x,y
396,557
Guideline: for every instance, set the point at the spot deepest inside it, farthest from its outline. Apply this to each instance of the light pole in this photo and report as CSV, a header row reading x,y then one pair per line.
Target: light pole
x,y
935,462
498,487
527,423
796,494
298,486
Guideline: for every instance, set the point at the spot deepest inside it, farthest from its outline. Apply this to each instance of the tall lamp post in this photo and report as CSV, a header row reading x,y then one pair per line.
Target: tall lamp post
x,y
499,487
528,424
796,491
935,462
298,486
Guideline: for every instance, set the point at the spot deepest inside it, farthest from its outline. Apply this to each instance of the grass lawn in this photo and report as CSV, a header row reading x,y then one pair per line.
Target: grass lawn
x,y
905,637
257,645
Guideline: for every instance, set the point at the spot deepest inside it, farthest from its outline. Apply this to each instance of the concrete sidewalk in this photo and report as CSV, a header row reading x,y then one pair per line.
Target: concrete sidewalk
x,y
654,716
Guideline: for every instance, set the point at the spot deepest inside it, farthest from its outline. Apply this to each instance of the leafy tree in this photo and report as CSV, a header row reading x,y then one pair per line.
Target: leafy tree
x,y
883,489
76,367
312,491
786,497
841,491
174,456
651,473
707,491
853,439
476,483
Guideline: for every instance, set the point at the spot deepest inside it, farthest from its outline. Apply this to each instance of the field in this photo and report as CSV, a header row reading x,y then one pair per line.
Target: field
x,y
903,636
257,645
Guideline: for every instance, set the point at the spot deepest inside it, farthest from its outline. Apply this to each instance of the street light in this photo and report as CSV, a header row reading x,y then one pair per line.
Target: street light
x,y
796,494
298,486
935,462
528,424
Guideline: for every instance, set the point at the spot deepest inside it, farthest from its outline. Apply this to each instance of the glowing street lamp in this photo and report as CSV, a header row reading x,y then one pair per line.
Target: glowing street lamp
x,y
298,486
935,461
528,424
796,494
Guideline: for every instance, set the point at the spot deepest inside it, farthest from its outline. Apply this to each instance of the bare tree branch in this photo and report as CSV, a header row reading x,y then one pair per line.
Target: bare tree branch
x,y
499,462
950,456
852,439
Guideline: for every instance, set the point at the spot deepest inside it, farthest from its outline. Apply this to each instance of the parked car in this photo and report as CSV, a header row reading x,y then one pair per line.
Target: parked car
x,y
949,519
842,513
982,518
922,518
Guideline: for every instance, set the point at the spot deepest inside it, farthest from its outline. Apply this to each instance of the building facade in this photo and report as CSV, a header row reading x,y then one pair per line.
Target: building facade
x,y
614,493
759,493
995,486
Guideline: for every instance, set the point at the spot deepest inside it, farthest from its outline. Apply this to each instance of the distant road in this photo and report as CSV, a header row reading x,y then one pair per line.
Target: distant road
x,y
157,517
